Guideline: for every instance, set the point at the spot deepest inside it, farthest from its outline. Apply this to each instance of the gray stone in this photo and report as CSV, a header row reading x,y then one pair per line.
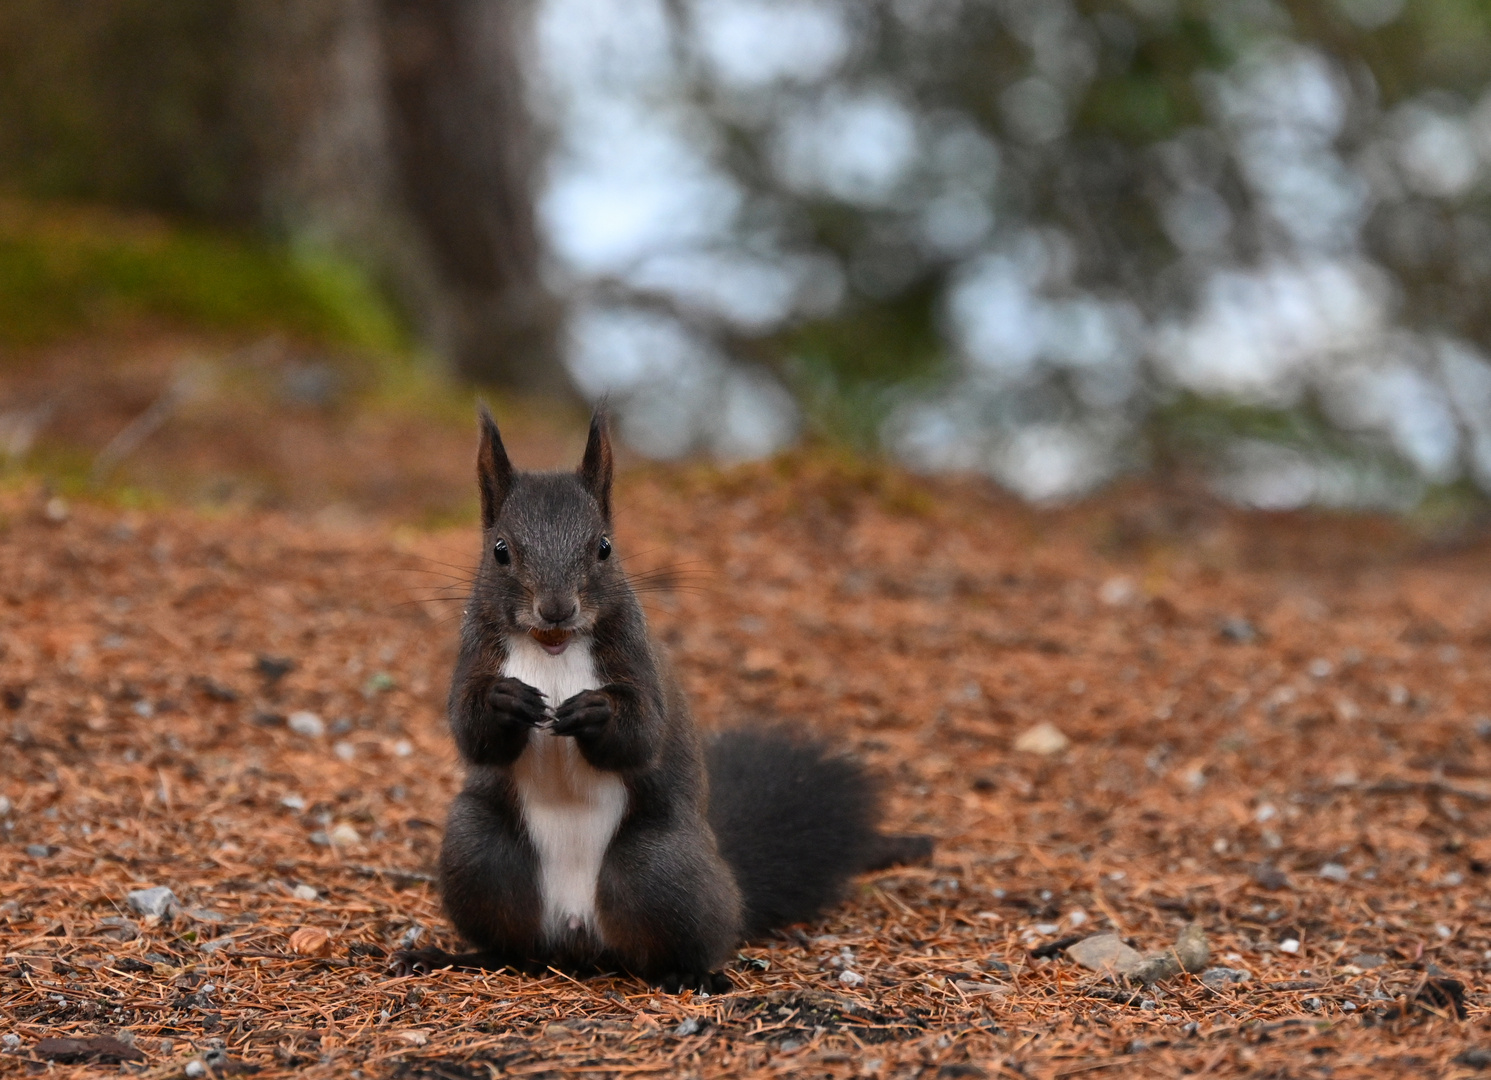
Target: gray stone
x,y
1220,977
158,901
1105,953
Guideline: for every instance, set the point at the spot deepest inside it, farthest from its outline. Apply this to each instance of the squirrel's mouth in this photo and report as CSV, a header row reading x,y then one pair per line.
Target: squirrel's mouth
x,y
553,641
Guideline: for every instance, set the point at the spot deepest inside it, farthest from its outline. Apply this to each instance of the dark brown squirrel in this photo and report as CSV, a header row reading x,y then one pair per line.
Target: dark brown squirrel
x,y
596,829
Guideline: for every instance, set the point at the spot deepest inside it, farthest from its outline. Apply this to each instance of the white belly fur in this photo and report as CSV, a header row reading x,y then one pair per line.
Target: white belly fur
x,y
570,808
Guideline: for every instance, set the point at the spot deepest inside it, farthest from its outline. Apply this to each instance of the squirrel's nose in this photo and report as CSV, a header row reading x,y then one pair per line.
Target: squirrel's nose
x,y
556,609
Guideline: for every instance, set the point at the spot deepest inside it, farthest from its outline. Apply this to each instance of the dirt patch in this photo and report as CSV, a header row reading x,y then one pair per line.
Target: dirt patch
x,y
793,1018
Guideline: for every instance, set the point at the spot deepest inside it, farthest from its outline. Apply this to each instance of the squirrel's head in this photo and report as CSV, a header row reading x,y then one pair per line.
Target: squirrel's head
x,y
548,567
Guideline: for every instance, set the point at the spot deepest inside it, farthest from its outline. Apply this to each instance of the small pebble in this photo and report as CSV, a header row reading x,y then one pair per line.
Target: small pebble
x,y
344,750
692,1026
4,806
195,1068
274,668
344,835
1105,953
304,892
1219,977
1335,872
403,748
1237,630
306,723
293,802
1270,877
11,1040
39,851
1045,739
1289,945
57,509
851,978
158,901
1117,591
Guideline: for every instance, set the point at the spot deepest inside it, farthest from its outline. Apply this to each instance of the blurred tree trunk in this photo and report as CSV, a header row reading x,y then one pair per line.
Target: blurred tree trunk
x,y
465,157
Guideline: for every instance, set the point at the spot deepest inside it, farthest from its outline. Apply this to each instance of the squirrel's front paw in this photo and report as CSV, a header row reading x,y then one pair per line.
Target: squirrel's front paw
x,y
585,713
513,703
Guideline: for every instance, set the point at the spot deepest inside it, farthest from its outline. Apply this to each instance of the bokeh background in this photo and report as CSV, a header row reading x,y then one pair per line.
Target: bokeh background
x,y
1243,241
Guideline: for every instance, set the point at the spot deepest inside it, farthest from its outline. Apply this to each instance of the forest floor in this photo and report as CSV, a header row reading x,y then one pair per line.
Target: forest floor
x,y
1275,726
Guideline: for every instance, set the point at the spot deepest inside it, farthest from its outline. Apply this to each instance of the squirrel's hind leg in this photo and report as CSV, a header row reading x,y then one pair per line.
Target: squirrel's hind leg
x,y
489,876
669,908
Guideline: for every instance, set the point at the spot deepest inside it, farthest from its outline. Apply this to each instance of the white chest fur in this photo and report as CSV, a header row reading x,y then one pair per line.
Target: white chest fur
x,y
570,808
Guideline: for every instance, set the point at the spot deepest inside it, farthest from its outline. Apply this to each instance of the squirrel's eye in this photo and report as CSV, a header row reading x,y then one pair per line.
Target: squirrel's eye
x,y
605,549
500,552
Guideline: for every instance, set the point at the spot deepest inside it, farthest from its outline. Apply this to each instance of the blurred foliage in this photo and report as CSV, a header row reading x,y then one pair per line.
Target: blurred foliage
x,y
133,101
64,270
1190,426
171,105
848,371
1137,180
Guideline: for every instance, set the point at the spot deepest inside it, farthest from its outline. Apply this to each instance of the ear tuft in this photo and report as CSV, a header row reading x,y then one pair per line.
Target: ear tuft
x,y
494,473
595,467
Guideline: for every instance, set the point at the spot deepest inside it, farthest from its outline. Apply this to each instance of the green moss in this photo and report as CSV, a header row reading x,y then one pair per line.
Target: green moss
x,y
65,271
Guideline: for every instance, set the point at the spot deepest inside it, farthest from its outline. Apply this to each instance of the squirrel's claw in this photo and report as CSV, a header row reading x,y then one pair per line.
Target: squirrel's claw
x,y
512,701
706,982
587,711
417,961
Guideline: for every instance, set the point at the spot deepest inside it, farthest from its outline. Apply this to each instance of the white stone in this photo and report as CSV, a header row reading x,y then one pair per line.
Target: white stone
x,y
1044,739
306,723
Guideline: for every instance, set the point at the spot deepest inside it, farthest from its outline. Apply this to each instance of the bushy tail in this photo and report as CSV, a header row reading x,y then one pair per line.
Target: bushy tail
x,y
794,821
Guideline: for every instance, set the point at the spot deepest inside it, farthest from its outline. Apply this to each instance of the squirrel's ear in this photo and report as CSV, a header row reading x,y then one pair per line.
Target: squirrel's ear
x,y
595,467
494,473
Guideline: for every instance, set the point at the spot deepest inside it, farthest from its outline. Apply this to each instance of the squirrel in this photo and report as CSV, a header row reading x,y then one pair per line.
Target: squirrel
x,y
596,828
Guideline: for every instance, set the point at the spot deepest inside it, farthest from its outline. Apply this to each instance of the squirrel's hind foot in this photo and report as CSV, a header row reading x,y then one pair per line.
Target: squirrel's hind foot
x,y
707,982
418,961
424,961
